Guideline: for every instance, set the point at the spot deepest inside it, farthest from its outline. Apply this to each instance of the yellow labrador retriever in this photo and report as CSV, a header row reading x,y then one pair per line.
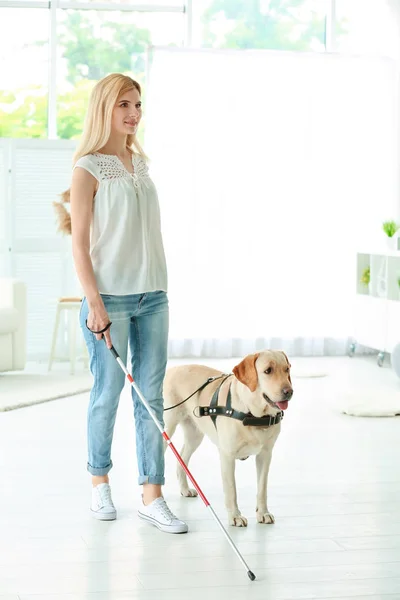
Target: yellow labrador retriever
x,y
240,413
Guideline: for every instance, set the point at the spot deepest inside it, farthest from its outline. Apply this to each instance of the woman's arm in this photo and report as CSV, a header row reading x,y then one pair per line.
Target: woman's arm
x,y
83,189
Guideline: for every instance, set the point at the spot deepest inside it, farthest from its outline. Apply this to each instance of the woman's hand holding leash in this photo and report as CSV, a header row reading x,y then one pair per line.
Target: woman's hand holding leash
x,y
98,322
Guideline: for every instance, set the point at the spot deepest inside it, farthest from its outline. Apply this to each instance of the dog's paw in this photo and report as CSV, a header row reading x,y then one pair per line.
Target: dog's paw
x,y
238,521
266,518
189,493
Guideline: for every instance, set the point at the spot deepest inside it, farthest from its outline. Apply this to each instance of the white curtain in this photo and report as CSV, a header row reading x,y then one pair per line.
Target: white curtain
x,y
394,21
273,169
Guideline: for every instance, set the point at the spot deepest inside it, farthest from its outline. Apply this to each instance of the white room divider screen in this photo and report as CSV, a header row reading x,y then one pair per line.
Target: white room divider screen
x,y
32,174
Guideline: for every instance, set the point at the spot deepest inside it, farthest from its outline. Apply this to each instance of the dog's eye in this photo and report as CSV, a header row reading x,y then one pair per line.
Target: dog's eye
x,y
268,371
287,370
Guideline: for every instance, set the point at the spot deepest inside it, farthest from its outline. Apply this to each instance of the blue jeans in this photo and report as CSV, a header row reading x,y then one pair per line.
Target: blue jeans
x,y
142,321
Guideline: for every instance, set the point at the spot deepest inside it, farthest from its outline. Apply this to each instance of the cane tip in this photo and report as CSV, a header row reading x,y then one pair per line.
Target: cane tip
x,y
251,575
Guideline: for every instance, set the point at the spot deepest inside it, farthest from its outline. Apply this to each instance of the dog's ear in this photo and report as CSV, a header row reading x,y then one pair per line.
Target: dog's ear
x,y
288,364
246,371
286,358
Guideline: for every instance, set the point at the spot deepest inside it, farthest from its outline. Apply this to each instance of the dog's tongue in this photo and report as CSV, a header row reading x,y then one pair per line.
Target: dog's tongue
x,y
283,405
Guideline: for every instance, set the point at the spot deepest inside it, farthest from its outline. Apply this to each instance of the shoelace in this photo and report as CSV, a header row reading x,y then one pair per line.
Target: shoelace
x,y
166,512
105,496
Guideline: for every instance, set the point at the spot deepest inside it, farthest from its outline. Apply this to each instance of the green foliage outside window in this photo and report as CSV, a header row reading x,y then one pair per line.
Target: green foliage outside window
x,y
92,46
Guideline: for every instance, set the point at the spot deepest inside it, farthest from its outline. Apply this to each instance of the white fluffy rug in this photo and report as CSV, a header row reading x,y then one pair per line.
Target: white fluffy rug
x,y
371,402
362,389
24,388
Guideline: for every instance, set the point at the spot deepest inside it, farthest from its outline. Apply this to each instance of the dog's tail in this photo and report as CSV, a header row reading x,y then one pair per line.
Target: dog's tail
x,y
63,215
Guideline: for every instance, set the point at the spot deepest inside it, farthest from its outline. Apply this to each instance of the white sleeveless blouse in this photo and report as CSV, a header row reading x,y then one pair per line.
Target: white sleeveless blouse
x,y
126,246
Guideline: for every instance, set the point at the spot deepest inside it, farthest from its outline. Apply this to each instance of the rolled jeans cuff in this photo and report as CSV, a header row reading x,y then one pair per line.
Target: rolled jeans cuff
x,y
99,471
154,479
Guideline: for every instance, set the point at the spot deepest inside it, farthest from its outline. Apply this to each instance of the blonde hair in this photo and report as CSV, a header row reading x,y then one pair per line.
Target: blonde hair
x,y
97,131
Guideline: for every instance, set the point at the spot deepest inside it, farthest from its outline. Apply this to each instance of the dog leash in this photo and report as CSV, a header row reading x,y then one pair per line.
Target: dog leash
x,y
205,384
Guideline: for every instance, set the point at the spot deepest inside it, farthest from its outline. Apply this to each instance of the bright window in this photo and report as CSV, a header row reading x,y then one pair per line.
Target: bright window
x,y
272,24
95,43
24,56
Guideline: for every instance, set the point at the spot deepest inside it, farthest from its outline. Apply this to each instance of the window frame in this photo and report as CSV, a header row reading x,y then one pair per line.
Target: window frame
x,y
185,7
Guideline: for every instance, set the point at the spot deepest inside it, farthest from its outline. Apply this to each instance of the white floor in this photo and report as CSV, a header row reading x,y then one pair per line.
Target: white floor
x,y
334,490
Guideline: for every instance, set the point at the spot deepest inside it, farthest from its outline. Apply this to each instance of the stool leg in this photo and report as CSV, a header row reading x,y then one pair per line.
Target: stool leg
x,y
55,335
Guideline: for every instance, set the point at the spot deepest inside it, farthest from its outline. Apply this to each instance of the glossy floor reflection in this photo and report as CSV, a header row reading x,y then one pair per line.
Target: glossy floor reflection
x,y
334,490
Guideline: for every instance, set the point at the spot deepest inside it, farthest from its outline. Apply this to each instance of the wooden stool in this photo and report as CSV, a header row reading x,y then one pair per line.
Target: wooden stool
x,y
72,305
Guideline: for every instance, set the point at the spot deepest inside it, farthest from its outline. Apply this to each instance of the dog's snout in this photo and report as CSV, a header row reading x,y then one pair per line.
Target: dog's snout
x,y
287,393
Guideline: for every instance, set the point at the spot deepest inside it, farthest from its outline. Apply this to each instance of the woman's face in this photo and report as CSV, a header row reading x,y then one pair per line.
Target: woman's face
x,y
127,113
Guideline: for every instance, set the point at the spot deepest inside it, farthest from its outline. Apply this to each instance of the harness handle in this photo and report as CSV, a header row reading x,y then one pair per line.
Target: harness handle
x,y
209,380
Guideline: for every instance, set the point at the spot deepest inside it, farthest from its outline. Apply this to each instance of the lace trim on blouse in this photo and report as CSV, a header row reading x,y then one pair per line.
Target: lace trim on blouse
x,y
111,167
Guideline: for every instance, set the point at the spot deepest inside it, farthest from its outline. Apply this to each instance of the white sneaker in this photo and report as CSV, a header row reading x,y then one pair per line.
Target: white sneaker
x,y
102,505
158,514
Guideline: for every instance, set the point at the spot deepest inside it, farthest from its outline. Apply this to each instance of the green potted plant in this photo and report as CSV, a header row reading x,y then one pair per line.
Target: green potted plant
x,y
366,277
390,228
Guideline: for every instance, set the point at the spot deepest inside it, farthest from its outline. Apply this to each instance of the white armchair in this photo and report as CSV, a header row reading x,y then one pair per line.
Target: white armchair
x,y
13,317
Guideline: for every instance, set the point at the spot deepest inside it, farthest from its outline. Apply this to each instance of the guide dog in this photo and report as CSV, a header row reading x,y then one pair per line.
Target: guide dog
x,y
258,391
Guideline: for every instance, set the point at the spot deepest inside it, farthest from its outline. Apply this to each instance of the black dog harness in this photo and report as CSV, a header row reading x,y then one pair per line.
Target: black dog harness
x,y
214,410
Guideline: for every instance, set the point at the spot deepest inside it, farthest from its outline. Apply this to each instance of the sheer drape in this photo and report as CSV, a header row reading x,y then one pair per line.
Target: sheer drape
x,y
273,169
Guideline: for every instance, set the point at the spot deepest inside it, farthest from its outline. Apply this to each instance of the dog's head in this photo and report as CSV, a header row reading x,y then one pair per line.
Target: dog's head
x,y
267,377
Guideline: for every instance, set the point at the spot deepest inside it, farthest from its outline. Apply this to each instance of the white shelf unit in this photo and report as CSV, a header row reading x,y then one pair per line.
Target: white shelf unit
x,y
377,306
